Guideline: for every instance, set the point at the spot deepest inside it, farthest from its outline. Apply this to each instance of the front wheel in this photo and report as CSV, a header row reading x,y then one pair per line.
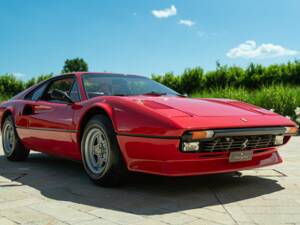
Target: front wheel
x,y
100,152
13,148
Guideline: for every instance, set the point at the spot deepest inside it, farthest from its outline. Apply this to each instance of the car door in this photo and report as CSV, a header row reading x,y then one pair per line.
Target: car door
x,y
50,121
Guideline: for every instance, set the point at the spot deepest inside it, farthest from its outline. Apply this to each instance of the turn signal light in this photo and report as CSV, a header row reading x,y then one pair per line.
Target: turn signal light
x,y
291,130
197,135
205,134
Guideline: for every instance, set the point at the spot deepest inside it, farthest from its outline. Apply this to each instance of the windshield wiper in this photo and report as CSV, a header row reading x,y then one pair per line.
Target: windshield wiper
x,y
155,93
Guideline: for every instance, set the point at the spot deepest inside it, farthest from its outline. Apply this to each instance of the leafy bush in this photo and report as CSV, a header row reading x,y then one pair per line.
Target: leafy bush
x,y
170,80
10,85
253,77
191,80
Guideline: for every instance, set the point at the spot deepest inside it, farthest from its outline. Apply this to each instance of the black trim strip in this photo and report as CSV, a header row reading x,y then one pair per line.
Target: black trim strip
x,y
249,131
47,129
148,136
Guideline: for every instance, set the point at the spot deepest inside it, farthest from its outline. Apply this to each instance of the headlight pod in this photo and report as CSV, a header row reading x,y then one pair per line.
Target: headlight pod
x,y
291,130
190,140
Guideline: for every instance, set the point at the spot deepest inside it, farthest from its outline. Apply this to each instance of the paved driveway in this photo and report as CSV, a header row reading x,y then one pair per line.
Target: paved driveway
x,y
46,190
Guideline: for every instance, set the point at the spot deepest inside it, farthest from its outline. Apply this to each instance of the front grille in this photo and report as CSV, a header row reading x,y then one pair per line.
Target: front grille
x,y
224,144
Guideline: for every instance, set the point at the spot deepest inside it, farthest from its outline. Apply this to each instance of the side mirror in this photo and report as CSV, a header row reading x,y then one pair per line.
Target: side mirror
x,y
60,96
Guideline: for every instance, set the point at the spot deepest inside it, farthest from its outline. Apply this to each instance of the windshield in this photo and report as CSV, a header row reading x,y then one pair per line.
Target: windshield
x,y
122,85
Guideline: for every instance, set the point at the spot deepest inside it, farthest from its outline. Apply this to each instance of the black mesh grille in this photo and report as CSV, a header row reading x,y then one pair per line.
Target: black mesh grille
x,y
222,144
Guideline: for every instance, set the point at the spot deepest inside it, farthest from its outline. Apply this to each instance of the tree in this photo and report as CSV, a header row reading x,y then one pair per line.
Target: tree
x,y
75,65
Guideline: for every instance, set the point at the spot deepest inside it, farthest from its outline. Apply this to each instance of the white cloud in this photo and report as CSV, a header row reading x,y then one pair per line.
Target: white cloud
x,y
188,23
165,13
249,49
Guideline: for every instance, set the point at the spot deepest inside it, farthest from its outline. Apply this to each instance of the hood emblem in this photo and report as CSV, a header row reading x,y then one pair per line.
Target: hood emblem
x,y
244,119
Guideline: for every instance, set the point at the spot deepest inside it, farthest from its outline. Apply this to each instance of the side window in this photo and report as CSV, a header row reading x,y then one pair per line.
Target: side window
x,y
37,93
64,85
74,93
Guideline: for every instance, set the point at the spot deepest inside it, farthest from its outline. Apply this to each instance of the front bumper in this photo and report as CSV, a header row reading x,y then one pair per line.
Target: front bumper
x,y
162,157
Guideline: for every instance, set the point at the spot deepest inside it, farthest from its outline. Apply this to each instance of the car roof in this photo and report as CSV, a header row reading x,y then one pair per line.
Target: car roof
x,y
101,73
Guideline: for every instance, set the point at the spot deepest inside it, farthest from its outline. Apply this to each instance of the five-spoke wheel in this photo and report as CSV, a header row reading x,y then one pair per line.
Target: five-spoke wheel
x,y
8,138
13,148
100,152
97,150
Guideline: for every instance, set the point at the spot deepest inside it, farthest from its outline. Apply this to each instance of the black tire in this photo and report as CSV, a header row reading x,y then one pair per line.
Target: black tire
x,y
14,150
115,170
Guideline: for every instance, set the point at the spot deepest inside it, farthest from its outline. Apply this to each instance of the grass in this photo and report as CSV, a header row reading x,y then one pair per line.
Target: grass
x,y
283,99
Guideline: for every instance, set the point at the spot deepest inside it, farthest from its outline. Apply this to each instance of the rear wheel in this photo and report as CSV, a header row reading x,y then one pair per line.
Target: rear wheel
x,y
100,152
13,148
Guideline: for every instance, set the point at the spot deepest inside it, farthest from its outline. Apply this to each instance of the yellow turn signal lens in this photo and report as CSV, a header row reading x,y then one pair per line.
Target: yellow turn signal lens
x,y
291,130
198,135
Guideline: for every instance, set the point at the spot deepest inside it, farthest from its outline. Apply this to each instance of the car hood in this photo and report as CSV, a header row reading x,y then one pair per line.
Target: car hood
x,y
179,107
172,116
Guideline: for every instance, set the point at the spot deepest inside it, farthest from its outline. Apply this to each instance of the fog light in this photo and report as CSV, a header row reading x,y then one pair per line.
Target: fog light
x,y
279,140
190,146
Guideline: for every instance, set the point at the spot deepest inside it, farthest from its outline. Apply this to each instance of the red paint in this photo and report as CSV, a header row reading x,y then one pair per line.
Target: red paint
x,y
161,156
55,128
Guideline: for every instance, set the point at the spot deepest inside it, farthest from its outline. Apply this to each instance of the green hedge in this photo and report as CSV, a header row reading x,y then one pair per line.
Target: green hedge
x,y
253,77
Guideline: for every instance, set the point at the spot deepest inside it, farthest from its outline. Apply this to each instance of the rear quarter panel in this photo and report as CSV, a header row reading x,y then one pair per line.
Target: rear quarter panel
x,y
15,107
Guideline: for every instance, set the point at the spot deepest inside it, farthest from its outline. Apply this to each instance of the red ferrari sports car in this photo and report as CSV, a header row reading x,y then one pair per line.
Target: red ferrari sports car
x,y
116,123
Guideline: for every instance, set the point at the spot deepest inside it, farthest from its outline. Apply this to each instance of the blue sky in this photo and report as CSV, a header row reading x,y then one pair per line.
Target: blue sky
x,y
146,36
